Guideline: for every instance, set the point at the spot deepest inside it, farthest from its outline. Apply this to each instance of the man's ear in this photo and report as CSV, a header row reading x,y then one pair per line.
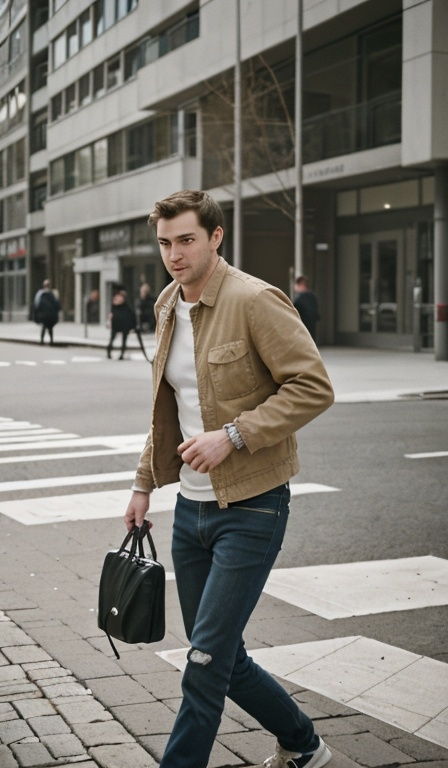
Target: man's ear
x,y
217,236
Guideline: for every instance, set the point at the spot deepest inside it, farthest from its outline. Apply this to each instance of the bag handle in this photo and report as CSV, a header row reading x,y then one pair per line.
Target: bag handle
x,y
143,532
138,535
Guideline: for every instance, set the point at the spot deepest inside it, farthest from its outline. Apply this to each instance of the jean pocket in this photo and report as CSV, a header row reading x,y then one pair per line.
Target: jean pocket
x,y
270,503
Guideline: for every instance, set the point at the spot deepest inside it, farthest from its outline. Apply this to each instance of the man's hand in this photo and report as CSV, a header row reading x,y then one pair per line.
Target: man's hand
x,y
205,451
137,509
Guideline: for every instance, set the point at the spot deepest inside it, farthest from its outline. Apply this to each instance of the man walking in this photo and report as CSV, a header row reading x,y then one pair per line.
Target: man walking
x,y
305,301
46,310
234,376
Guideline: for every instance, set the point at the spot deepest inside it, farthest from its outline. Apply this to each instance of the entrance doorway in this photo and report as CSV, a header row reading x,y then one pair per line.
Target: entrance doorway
x,y
380,264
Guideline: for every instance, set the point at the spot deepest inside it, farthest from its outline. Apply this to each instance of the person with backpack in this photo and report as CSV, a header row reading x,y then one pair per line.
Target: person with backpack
x,y
46,310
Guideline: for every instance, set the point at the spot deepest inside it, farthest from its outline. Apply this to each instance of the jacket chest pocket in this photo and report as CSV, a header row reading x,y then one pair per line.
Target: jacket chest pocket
x,y
231,370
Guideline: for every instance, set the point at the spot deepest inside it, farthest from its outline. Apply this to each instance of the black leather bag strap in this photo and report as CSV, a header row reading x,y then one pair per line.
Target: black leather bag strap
x,y
143,532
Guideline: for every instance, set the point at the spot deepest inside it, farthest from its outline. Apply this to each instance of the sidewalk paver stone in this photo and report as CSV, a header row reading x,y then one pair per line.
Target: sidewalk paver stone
x,y
48,725
113,691
32,755
14,730
67,745
7,759
118,756
84,712
106,732
23,653
34,707
369,750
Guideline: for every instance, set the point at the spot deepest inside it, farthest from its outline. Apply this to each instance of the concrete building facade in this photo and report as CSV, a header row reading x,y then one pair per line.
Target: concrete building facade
x,y
108,105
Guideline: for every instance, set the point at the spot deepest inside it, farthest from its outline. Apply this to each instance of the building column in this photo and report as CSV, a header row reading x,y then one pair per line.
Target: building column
x,y
441,264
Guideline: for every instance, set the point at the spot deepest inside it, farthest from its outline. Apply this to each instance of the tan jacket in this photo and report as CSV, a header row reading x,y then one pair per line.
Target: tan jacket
x,y
256,365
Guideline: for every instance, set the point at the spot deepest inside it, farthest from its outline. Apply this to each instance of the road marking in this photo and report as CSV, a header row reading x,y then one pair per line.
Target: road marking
x,y
390,684
25,362
61,482
360,589
433,455
111,441
136,449
23,443
14,435
96,505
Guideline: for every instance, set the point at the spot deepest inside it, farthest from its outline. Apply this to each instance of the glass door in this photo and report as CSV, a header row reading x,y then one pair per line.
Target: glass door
x,y
379,263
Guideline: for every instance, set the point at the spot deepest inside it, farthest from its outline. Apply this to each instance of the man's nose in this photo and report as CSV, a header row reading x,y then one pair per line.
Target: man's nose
x,y
175,252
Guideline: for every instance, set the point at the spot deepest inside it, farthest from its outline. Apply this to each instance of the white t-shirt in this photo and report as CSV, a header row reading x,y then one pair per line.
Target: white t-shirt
x,y
180,372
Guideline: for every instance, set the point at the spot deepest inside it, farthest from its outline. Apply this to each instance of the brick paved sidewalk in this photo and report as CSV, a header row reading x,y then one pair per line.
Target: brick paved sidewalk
x,y
47,718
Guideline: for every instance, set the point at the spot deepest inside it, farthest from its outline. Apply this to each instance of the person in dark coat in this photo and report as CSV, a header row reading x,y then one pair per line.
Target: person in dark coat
x,y
46,310
305,301
145,309
122,320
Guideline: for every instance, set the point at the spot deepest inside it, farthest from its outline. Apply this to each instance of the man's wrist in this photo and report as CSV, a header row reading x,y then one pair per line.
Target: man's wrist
x,y
233,434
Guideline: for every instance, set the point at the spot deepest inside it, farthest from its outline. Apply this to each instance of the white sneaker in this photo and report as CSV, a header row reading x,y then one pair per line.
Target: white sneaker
x,y
284,759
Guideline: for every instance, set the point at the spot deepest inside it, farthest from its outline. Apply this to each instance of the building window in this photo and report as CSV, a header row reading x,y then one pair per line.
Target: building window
x,y
98,82
190,134
132,61
86,28
100,160
17,43
70,98
16,105
38,191
72,39
69,171
39,72
57,107
39,131
83,166
57,176
115,154
84,90
15,164
113,73
59,51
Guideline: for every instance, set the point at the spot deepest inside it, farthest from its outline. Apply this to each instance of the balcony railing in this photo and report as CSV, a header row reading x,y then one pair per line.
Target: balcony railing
x,y
365,126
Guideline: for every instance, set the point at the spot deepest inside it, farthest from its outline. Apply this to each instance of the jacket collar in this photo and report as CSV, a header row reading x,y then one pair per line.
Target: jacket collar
x,y
211,290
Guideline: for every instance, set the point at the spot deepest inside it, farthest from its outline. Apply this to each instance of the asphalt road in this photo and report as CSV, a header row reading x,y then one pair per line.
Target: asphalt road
x,y
388,506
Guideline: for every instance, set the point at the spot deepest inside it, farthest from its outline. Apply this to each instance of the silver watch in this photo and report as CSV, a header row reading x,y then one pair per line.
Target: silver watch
x,y
234,435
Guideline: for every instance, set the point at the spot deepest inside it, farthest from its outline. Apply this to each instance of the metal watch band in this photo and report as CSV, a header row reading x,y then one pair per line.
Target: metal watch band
x,y
234,435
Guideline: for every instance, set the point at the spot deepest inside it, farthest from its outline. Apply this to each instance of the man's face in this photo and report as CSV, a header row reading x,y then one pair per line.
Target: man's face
x,y
188,253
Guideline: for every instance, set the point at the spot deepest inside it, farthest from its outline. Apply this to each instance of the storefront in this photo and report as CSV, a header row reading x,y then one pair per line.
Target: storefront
x,y
384,252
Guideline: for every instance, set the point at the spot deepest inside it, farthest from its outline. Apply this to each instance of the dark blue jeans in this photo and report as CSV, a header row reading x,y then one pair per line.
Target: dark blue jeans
x,y
222,558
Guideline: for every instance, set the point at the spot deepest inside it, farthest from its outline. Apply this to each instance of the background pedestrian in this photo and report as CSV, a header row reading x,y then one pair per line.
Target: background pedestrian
x,y
305,301
46,310
122,320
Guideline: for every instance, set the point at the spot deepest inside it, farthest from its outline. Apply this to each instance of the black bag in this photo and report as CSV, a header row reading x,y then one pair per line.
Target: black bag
x,y
131,603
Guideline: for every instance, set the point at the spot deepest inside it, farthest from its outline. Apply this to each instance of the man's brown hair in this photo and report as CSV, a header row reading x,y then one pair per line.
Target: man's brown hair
x,y
208,211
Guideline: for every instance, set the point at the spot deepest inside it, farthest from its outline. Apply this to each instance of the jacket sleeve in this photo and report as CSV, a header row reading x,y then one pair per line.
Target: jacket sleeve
x,y
286,348
144,480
